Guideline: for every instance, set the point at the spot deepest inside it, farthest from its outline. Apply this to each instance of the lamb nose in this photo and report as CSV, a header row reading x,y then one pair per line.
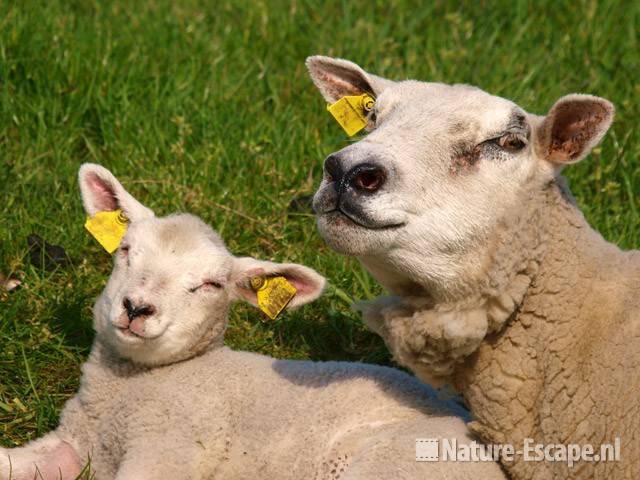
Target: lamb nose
x,y
134,311
367,177
128,306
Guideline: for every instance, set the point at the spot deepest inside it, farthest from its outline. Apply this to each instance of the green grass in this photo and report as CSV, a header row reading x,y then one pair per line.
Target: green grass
x,y
206,107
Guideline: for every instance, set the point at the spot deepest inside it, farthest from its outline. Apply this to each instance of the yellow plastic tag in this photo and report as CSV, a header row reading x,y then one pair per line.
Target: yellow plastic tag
x,y
274,293
351,112
108,228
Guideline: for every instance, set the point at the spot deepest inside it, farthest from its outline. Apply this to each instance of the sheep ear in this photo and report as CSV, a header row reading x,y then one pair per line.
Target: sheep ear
x,y
574,125
101,192
309,283
336,78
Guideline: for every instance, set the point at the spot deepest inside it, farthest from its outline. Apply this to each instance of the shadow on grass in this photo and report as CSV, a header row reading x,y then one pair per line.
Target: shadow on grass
x,y
335,336
317,332
67,319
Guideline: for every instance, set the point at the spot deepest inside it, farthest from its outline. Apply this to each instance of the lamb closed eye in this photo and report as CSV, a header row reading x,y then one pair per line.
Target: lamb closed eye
x,y
123,252
207,284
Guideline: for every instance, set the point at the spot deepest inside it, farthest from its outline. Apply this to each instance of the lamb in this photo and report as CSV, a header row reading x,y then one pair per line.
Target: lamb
x,y
455,202
162,398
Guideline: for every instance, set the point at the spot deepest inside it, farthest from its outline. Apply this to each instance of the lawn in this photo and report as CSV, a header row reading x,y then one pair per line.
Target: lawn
x,y
206,107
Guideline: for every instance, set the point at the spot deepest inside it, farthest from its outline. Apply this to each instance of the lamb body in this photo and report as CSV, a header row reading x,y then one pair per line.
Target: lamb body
x,y
227,414
161,397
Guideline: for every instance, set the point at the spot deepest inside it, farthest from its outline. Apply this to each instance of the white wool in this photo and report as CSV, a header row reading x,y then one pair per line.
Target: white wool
x,y
500,285
162,398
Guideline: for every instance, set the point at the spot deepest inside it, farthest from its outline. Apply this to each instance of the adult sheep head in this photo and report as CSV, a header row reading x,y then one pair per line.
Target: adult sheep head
x,y
417,199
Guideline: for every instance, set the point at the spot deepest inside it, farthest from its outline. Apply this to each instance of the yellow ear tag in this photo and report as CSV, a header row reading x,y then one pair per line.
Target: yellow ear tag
x,y
108,228
351,112
274,293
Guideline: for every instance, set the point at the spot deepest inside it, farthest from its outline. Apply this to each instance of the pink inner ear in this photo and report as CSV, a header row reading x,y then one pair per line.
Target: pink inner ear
x,y
340,81
574,126
103,195
249,295
338,87
301,285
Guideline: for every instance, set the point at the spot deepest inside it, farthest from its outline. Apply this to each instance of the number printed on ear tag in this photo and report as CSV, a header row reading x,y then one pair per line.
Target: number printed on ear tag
x,y
108,228
274,293
351,112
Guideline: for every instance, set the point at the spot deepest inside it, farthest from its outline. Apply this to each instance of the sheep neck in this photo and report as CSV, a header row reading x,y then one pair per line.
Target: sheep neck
x,y
542,375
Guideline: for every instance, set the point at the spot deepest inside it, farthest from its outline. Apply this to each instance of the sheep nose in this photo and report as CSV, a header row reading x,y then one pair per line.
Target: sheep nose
x,y
333,168
366,177
135,311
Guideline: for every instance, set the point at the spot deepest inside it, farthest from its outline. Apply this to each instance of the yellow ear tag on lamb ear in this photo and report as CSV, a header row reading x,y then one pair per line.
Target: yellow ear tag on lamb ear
x,y
274,293
108,228
351,112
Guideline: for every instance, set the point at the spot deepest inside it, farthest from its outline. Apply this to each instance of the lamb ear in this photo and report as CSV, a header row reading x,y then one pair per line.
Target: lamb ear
x,y
309,283
101,192
575,124
336,78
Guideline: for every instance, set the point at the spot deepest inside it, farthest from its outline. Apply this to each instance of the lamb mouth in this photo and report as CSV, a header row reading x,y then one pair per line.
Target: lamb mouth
x,y
355,220
126,332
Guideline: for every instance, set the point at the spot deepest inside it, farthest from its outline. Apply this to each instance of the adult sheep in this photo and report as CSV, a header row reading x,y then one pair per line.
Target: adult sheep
x,y
162,398
454,202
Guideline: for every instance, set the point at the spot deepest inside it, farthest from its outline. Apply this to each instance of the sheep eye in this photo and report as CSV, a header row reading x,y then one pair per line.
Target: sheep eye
x,y
124,249
511,142
207,284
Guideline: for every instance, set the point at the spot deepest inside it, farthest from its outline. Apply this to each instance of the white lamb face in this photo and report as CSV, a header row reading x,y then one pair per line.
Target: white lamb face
x,y
167,290
438,168
173,279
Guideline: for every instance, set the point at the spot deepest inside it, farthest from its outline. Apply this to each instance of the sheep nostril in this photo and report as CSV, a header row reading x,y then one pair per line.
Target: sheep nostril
x,y
145,310
128,306
333,168
134,311
369,179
